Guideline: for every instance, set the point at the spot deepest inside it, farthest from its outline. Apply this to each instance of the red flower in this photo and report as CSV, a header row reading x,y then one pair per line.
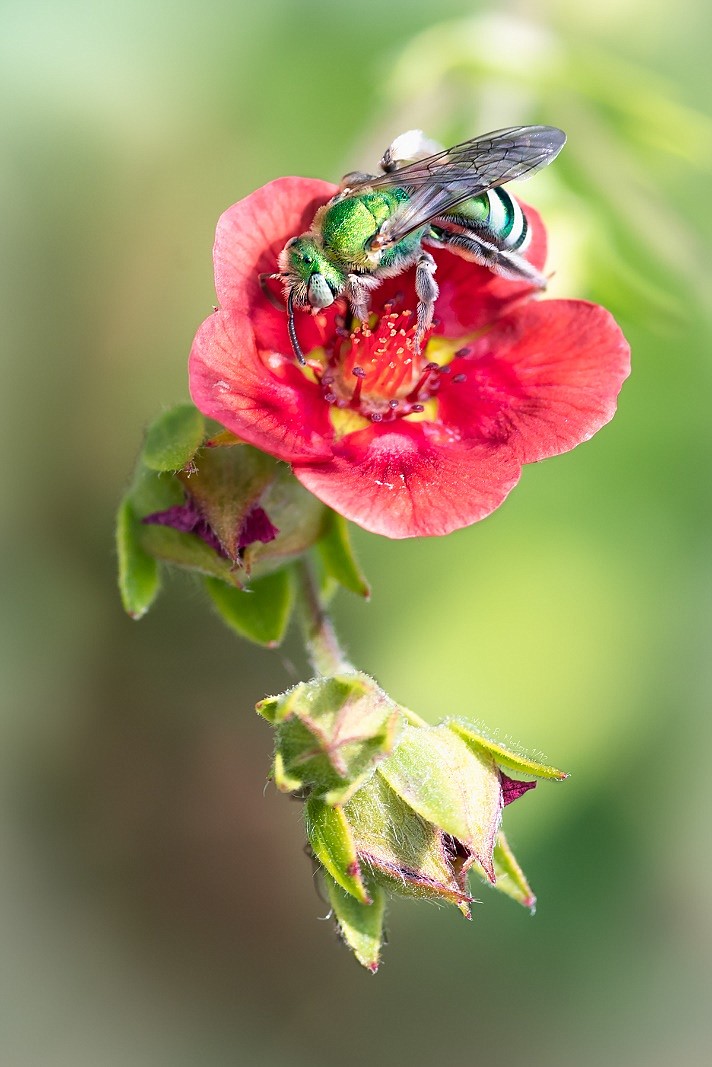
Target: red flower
x,y
404,444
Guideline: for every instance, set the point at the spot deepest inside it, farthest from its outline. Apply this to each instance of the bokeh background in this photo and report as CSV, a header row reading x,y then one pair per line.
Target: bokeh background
x,y
157,908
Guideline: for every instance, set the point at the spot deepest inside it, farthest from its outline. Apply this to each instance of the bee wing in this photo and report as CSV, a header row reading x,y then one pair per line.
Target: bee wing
x,y
448,178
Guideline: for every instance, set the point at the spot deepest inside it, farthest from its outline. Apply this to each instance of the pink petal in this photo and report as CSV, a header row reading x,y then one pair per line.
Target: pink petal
x,y
409,480
513,788
256,527
249,237
265,401
542,380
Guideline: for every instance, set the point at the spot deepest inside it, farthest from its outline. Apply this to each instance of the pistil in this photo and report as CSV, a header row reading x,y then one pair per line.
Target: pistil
x,y
392,379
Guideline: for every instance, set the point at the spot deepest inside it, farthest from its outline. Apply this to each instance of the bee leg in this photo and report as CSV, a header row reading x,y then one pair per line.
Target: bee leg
x,y
500,261
358,294
427,291
354,178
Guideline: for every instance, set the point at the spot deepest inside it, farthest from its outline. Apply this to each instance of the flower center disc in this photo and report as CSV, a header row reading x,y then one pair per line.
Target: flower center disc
x,y
377,371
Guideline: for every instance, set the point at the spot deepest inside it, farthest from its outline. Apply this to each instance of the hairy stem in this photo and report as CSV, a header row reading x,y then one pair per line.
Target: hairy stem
x,y
325,653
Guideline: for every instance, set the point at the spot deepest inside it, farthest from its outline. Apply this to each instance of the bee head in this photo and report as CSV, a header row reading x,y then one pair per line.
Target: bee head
x,y
302,264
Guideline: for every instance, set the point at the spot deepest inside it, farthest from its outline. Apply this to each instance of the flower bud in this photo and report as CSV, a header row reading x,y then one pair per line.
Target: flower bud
x,y
394,805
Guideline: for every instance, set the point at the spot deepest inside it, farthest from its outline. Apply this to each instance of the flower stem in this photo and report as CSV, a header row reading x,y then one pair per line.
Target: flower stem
x,y
325,653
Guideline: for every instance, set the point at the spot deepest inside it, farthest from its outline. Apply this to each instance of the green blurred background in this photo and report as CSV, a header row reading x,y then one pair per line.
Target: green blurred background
x,y
157,908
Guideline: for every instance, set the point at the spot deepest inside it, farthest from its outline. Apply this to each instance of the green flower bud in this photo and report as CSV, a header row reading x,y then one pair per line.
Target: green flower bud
x,y
394,805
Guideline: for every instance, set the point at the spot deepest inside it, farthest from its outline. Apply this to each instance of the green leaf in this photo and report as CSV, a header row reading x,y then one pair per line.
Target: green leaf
x,y
174,438
261,612
139,579
503,756
331,842
337,555
448,784
360,925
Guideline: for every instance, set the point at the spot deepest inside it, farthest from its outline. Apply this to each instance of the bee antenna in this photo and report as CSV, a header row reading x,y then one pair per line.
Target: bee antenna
x,y
292,329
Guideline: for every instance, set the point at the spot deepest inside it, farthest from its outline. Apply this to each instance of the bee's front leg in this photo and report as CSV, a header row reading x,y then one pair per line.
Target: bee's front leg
x,y
427,291
358,293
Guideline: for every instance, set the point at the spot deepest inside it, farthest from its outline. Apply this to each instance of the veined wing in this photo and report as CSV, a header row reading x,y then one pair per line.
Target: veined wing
x,y
442,181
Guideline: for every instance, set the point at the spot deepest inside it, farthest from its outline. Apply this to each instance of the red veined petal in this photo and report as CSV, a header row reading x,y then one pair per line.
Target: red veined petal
x,y
397,481
263,399
249,237
542,380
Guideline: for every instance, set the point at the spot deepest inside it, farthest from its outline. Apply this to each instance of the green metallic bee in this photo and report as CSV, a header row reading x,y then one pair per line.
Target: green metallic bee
x,y
376,225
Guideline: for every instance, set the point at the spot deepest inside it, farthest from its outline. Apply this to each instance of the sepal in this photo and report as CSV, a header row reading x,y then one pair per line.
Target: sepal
x,y
360,926
337,555
404,852
505,757
510,876
139,580
449,785
260,612
330,734
173,438
332,844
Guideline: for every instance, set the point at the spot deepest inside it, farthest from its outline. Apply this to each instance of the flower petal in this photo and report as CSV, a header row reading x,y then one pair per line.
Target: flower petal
x,y
266,402
513,788
249,237
542,380
397,481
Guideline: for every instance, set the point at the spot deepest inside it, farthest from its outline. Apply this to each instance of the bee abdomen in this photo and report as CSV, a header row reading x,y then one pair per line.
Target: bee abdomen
x,y
507,220
495,215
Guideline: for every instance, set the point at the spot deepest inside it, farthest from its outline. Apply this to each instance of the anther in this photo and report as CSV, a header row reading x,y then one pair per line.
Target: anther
x,y
459,378
427,373
462,352
359,373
